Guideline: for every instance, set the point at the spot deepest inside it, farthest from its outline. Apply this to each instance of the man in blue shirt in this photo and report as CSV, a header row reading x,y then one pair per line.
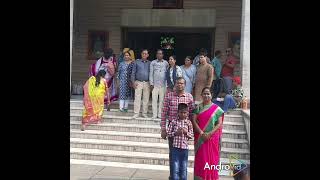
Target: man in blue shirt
x,y
140,82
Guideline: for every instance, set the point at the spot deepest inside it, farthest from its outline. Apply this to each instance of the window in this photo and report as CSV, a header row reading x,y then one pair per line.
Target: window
x,y
97,42
167,4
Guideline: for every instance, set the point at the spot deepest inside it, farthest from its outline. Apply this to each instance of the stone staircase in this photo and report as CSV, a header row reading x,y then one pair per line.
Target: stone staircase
x,y
121,141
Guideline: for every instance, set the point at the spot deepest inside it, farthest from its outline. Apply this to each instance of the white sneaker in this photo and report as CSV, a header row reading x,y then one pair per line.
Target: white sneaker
x,y
144,115
220,99
135,116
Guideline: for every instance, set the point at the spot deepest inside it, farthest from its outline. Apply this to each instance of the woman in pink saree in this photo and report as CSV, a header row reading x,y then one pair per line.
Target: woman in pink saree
x,y
95,90
107,63
207,123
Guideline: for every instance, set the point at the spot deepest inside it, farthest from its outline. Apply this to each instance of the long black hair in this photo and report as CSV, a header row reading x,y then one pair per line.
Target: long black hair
x,y
205,89
175,59
100,74
108,53
189,57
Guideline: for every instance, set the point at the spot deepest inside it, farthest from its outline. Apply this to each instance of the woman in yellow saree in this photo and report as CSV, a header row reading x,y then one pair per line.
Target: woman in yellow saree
x,y
95,90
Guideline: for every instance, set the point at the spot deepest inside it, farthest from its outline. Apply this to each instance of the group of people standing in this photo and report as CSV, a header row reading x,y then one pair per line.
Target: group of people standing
x,y
182,116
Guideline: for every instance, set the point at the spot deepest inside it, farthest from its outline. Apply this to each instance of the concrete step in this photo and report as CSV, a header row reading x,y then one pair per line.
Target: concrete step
x,y
240,153
233,118
114,112
137,137
235,143
118,135
121,119
140,137
142,128
234,134
115,105
123,156
106,126
138,146
161,148
224,174
123,165
127,157
234,125
133,146
140,120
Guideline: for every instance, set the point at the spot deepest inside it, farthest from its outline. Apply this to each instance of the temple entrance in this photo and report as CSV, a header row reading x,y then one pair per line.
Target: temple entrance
x,y
181,42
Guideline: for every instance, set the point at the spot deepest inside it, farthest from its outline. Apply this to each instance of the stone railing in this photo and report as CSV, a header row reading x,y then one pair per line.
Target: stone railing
x,y
246,118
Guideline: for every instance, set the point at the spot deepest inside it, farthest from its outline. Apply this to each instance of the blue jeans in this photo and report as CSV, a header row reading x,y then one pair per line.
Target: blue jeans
x,y
228,103
228,83
179,163
170,140
216,88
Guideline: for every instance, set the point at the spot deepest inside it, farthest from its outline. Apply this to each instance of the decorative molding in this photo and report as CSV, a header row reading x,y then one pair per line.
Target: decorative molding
x,y
168,18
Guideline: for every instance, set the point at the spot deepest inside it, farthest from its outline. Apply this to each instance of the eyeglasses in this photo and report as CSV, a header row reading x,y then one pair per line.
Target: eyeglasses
x,y
228,51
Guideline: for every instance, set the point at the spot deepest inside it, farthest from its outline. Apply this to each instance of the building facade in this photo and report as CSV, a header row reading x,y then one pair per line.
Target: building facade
x,y
121,21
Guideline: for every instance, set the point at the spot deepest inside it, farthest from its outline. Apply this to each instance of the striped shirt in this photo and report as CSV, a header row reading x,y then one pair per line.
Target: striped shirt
x,y
182,140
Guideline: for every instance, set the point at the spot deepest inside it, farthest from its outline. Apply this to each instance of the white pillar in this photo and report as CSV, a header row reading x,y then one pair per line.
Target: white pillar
x,y
245,47
71,32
